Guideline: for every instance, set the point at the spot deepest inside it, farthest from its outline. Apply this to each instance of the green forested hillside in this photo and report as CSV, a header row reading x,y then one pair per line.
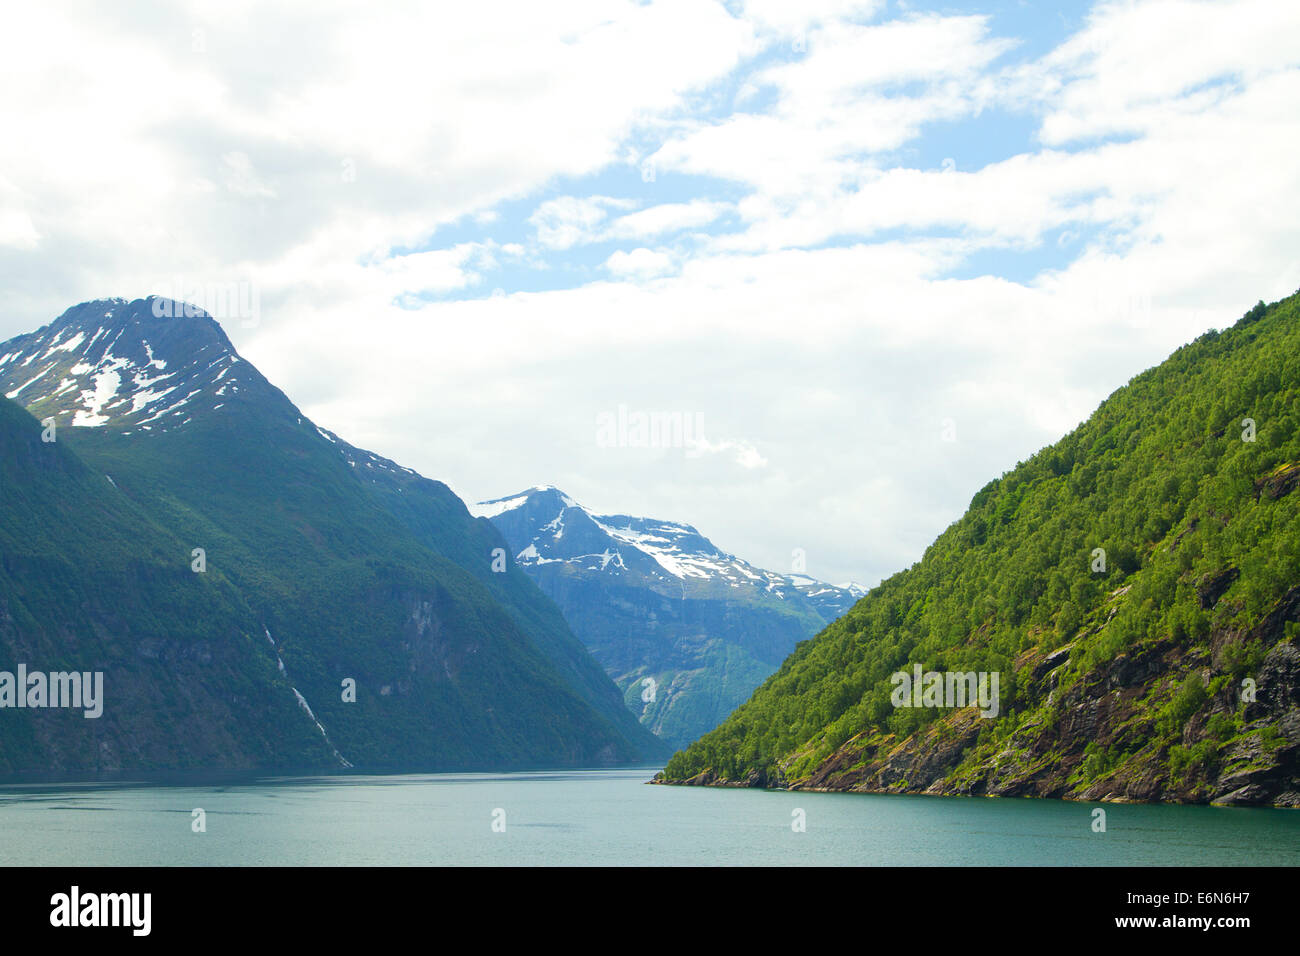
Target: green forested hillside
x,y
1117,684
329,564
89,582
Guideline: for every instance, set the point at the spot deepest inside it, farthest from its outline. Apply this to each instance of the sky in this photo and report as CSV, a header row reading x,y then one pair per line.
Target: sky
x,y
858,258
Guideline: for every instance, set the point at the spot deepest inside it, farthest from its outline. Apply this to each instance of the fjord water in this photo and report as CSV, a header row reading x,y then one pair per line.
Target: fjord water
x,y
606,817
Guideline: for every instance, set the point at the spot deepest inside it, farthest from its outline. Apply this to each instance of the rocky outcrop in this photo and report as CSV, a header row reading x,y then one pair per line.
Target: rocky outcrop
x,y
1281,482
1094,742
1212,588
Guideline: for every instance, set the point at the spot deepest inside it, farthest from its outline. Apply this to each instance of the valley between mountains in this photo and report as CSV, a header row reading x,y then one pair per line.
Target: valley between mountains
x,y
685,629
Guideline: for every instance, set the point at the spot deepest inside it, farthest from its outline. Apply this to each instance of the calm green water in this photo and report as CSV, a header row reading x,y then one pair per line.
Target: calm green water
x,y
604,818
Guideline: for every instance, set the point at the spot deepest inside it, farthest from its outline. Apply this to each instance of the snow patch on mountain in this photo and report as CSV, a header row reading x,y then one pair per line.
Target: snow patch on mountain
x,y
490,509
110,368
106,386
559,530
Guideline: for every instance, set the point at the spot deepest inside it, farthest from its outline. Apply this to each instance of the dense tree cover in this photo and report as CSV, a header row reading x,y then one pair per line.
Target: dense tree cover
x,y
1162,477
448,677
89,581
357,568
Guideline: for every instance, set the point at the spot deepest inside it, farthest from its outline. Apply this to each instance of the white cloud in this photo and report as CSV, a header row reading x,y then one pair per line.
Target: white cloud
x,y
303,137
745,454
436,270
666,218
16,229
314,150
1136,64
834,106
569,221
639,263
240,178
783,16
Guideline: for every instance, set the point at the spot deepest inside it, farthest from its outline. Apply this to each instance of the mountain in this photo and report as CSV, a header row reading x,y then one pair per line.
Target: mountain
x,y
89,582
657,601
1135,588
334,564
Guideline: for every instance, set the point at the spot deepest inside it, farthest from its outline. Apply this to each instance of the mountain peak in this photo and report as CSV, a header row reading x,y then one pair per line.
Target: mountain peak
x,y
534,497
546,526
656,599
130,365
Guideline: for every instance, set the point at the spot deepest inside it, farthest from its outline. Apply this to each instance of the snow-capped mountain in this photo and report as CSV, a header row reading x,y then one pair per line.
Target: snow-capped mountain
x,y
109,364
666,555
831,599
655,599
149,366
359,568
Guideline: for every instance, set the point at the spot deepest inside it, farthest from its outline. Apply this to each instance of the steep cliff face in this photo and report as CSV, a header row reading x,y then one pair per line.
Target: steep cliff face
x,y
1135,587
90,583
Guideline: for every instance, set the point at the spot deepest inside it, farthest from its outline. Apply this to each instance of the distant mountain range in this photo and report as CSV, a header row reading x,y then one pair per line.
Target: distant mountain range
x,y
169,518
668,614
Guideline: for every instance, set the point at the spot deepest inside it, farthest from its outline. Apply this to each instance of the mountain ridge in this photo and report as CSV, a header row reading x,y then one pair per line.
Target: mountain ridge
x,y
686,554
686,629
